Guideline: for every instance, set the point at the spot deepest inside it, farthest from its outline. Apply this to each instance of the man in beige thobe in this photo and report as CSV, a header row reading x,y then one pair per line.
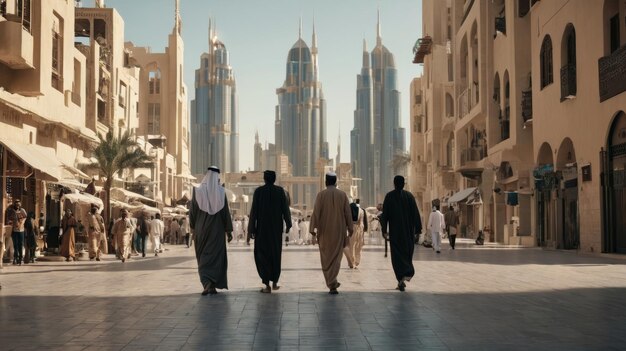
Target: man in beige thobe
x,y
332,219
357,240
96,234
123,232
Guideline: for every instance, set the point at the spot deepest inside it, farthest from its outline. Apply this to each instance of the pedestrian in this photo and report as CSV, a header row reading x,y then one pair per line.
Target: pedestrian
x,y
436,225
174,230
357,240
68,243
97,234
184,228
156,233
452,225
268,213
400,222
122,232
42,229
16,218
30,239
143,229
332,219
244,225
91,187
211,221
303,225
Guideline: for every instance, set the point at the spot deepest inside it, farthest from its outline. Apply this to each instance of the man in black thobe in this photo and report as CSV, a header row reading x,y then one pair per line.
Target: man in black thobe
x,y
270,208
210,219
400,212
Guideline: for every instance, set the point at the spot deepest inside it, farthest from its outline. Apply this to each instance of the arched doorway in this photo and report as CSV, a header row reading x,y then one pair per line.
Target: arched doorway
x,y
567,202
614,186
545,185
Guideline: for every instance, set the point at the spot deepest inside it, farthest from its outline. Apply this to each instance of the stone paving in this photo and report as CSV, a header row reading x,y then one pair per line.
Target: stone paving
x,y
472,298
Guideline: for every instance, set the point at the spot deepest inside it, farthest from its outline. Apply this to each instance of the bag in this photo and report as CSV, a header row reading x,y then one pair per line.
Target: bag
x,y
355,212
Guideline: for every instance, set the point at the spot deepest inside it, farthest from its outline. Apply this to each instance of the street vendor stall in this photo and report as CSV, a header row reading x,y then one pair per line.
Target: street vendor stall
x,y
80,205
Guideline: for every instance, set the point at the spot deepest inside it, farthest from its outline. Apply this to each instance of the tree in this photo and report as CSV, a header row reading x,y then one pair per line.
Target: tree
x,y
113,156
399,162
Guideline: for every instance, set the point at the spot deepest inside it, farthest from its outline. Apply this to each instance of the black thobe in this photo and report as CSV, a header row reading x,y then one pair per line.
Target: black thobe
x,y
401,214
270,208
210,232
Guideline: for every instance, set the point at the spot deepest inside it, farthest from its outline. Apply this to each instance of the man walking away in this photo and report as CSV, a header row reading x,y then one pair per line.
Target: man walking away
x,y
96,233
156,233
357,240
123,232
211,221
436,225
402,218
143,229
452,225
268,213
16,218
332,218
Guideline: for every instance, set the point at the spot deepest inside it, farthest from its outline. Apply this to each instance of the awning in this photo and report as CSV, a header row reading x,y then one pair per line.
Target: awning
x,y
84,199
127,195
461,195
44,160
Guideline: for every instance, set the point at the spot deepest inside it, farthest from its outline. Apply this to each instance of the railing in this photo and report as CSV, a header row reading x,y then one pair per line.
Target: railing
x,y
473,154
466,102
505,131
612,73
568,81
527,105
501,24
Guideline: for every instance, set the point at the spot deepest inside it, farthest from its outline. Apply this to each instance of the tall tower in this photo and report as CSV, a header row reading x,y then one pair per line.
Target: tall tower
x,y
301,112
377,135
215,122
258,153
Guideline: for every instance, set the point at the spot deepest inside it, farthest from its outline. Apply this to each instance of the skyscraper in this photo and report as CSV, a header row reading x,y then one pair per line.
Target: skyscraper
x,y
377,137
214,117
301,111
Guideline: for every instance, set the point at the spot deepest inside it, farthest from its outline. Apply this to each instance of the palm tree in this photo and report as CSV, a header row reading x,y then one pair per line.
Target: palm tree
x,y
115,155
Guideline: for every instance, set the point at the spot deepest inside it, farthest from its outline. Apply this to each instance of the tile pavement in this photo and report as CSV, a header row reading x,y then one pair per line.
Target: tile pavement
x,y
471,298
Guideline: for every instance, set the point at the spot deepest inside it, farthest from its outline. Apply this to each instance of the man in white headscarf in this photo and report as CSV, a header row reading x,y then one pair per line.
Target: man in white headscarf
x,y
210,219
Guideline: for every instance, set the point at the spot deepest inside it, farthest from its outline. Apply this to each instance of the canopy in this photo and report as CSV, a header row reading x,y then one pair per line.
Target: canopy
x,y
127,195
44,160
83,199
461,195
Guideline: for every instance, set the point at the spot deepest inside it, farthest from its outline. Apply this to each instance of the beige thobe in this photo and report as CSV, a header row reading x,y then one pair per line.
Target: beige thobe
x,y
356,241
123,232
332,219
97,237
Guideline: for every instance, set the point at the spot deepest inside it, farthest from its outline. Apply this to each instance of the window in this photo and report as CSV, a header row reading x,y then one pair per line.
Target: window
x,y
154,118
154,81
568,63
122,95
76,86
545,62
57,53
614,33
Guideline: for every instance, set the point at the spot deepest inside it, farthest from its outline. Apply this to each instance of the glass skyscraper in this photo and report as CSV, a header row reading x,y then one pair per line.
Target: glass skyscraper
x,y
214,117
377,135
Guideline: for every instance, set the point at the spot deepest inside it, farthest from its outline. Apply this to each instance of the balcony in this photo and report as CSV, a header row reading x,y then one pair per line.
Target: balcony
x,y
527,105
473,154
568,81
612,74
16,50
467,100
500,25
422,48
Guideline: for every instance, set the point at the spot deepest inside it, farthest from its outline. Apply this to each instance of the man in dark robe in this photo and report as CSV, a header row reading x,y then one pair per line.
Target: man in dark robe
x,y
269,210
210,219
401,216
333,220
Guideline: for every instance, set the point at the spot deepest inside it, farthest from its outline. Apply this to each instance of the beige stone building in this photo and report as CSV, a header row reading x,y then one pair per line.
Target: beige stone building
x,y
578,55
543,163
163,115
43,132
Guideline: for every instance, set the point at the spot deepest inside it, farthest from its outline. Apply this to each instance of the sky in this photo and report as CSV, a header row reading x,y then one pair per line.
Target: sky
x,y
258,35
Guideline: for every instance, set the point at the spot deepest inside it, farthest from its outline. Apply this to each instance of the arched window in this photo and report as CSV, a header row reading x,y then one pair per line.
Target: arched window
x,y
545,62
449,105
154,81
568,63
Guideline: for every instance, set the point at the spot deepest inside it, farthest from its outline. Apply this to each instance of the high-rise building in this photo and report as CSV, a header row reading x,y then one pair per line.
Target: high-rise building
x,y
377,140
214,119
301,113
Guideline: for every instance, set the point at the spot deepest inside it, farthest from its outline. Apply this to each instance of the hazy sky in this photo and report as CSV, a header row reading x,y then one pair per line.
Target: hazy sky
x,y
259,33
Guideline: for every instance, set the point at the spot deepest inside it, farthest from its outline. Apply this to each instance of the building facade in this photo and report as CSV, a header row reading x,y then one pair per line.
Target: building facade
x,y
214,118
301,116
163,115
378,140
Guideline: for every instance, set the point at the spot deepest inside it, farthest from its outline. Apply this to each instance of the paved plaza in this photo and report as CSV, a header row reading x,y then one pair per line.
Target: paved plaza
x,y
472,298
